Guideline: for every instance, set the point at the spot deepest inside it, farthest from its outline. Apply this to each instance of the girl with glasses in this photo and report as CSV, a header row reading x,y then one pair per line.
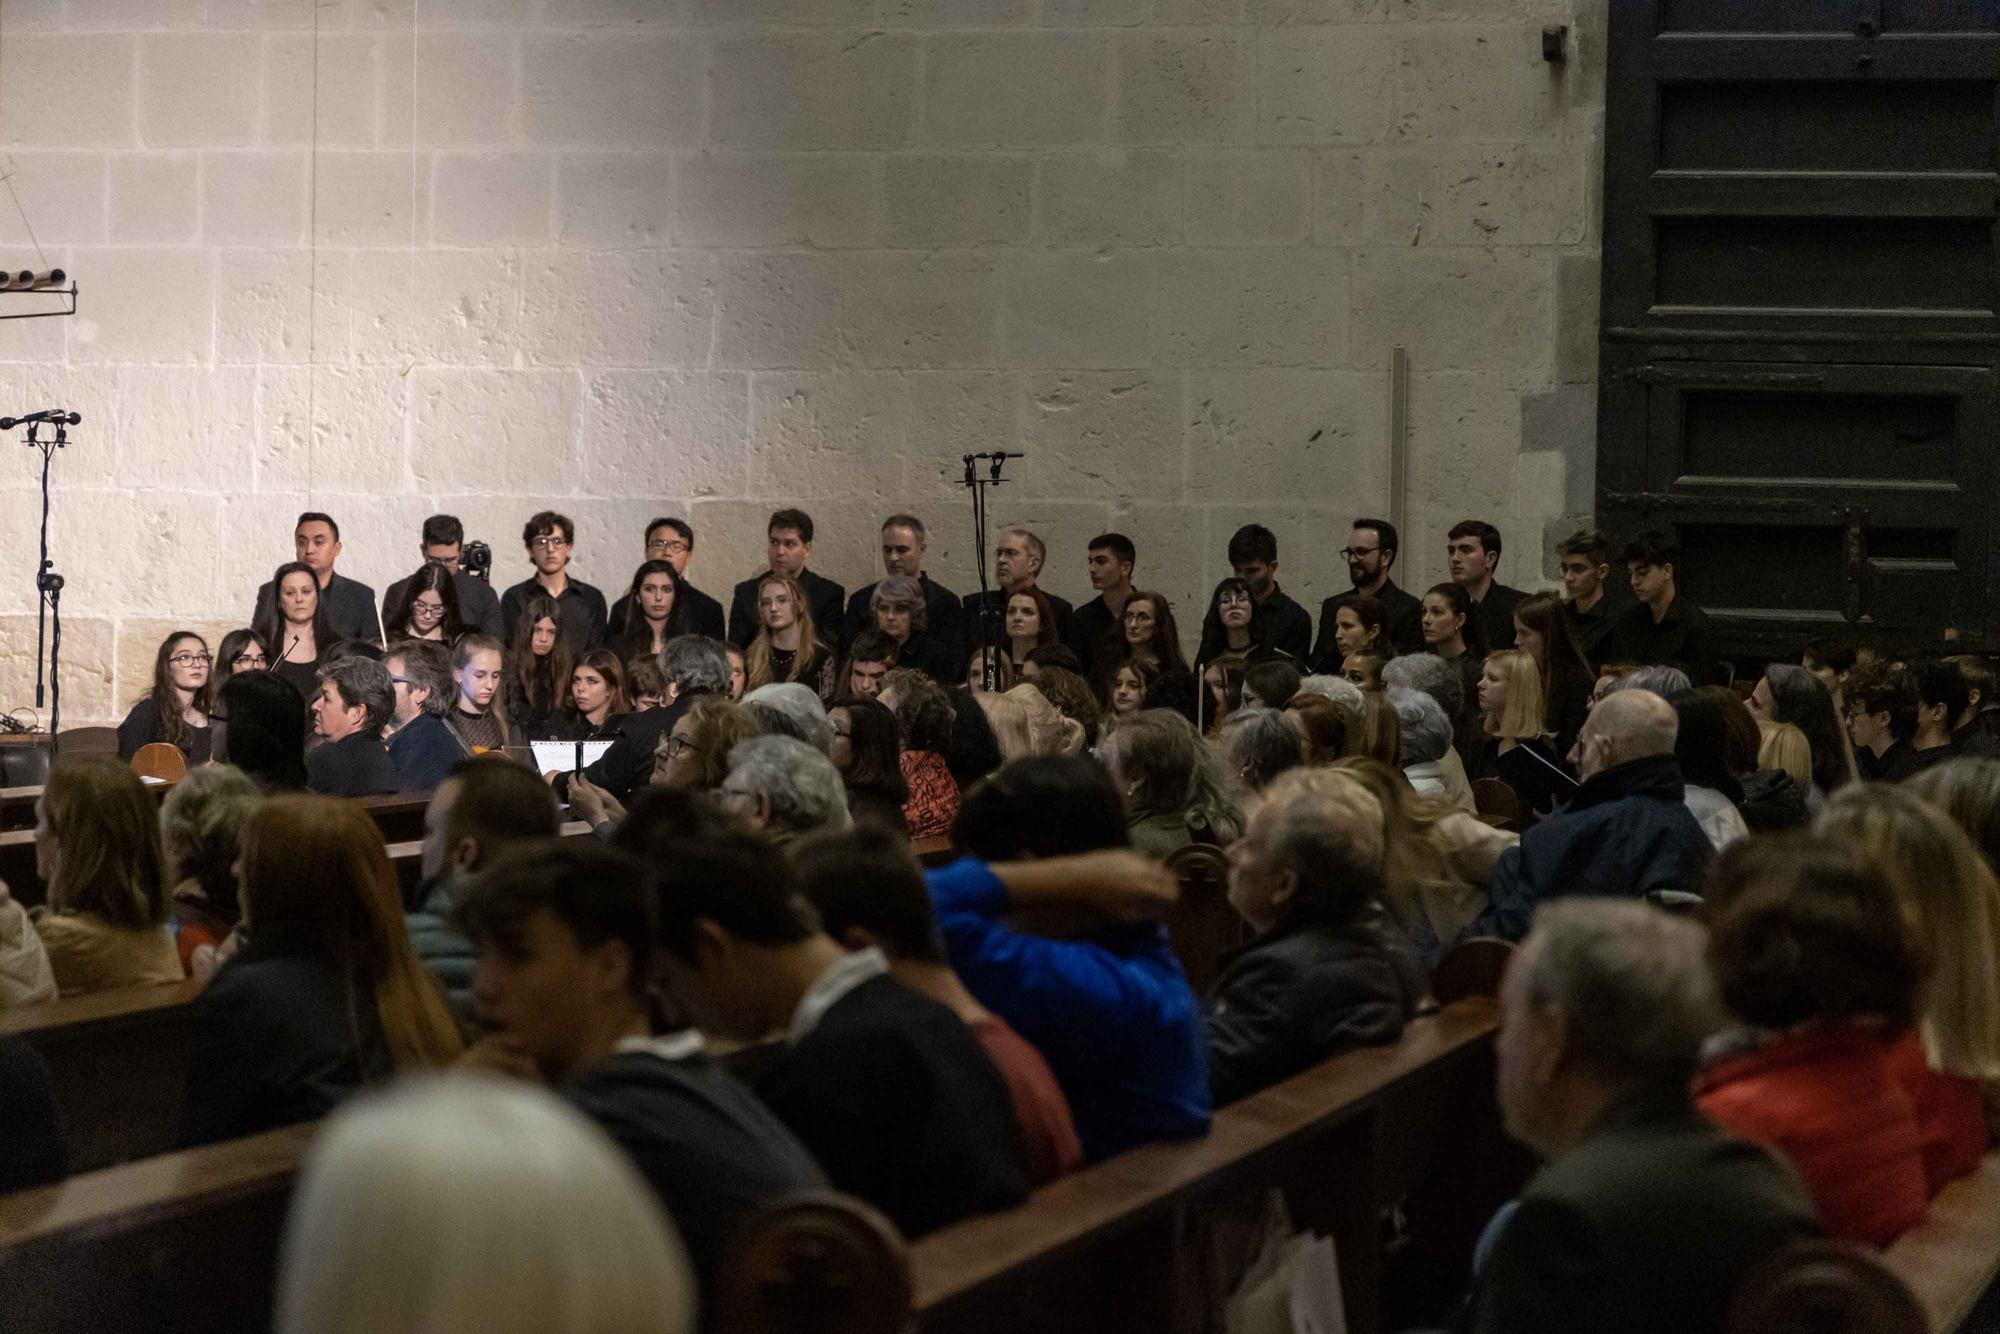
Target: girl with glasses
x,y
428,608
241,651
176,709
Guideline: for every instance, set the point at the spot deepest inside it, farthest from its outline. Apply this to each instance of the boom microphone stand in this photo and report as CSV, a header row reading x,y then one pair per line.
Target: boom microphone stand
x,y
989,612
48,584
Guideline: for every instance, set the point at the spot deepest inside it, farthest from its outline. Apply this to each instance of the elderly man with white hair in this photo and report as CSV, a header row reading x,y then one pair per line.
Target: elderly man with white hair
x,y
782,788
1626,832
1426,740
1431,675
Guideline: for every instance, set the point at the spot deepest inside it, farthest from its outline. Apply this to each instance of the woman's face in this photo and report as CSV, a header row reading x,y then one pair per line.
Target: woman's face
x,y
479,679
738,673
1349,636
1360,669
842,753
656,597
1217,686
893,620
542,639
1441,624
249,658
1233,609
188,663
676,761
298,598
427,614
589,689
1139,622
1492,689
1128,692
1024,618
775,607
1530,643
1762,706
975,670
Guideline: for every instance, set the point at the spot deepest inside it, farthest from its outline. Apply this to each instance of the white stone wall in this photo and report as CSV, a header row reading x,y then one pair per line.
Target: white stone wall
x,y
706,257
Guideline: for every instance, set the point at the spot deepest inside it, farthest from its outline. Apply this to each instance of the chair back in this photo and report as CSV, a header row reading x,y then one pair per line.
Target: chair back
x,y
24,765
1471,968
1823,1287
1496,803
88,741
161,760
814,1260
1203,926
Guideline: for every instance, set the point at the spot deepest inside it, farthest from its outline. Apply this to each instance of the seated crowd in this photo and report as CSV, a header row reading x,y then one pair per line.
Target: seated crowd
x,y
1755,998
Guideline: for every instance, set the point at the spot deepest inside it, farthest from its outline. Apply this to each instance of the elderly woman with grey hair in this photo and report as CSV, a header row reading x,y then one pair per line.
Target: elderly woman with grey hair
x,y
786,708
1426,740
782,788
1259,744
900,611
1431,675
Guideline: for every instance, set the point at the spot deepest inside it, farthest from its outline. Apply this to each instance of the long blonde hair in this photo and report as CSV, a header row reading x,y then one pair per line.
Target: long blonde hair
x,y
109,860
1421,888
1521,717
1783,748
1026,724
757,658
1951,894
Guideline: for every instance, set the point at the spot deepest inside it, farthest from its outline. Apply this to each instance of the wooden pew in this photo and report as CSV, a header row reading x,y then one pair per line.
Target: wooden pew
x,y
1951,1258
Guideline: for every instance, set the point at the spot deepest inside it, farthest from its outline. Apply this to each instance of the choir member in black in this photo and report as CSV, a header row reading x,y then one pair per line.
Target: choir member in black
x,y
1151,642
443,543
350,605
1517,749
788,547
539,662
426,607
1360,625
176,709
479,713
672,540
550,539
657,609
241,651
295,625
1237,625
1542,628
904,546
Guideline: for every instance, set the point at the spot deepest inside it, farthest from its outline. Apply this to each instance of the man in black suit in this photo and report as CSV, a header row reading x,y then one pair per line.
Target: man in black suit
x,y
444,544
904,546
1644,1215
350,604
1597,588
1472,549
672,540
1370,553
1112,559
1017,565
789,539
550,538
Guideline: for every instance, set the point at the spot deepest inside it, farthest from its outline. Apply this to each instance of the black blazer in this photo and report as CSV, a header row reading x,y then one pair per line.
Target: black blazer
x,y
357,765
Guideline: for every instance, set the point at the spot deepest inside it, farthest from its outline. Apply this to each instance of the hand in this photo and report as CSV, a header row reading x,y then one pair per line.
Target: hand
x,y
499,1054
592,804
1126,886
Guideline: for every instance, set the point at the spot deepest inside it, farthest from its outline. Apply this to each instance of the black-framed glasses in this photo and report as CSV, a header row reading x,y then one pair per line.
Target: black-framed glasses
x,y
401,681
190,659
676,746
243,660
1356,553
672,548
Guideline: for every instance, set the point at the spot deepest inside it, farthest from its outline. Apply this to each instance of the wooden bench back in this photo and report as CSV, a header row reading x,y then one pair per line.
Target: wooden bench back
x,y
1203,926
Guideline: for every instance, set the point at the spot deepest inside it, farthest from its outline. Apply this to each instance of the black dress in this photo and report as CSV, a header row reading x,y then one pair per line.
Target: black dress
x,y
1532,769
303,675
142,728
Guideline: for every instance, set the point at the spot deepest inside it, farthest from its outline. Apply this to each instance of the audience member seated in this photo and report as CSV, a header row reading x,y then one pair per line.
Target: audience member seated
x,y
1026,724
694,757
1426,734
471,1203
1073,699
175,710
261,729
1517,750
739,672
1644,1216
1235,626
694,666
1942,698
1968,790
25,975
478,716
1951,1059
355,701
1375,731
1703,748
1328,970
782,788
1258,744
1131,682
426,607
296,625
1176,789
1108,1005
1542,631
1330,730
32,1150
1222,692
1444,683
1363,670
924,723
482,812
1788,694
539,662
1816,963
887,1088
441,541
326,993
869,894
994,659
550,540
1771,800
900,608
1270,685
1436,860
645,684
350,605
1151,640
564,931
869,657
788,646
1625,832
422,746
867,751
241,651
1783,748
662,613
1360,625
790,709
201,827
788,549
1978,729
97,848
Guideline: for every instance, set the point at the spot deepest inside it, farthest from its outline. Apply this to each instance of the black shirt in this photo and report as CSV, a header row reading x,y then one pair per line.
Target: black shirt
x,y
1495,614
704,613
1404,614
478,604
357,765
350,609
1680,639
423,752
142,728
941,607
826,599
942,662
580,605
1590,627
1538,776
628,765
1068,629
1278,624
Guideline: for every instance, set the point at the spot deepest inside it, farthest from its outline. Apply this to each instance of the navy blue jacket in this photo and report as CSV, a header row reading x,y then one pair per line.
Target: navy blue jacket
x,y
423,752
1624,833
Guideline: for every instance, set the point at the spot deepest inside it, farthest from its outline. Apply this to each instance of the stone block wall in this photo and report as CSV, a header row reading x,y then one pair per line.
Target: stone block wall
x,y
707,257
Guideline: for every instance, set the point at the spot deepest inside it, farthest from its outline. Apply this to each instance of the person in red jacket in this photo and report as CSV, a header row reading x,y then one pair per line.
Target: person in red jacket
x,y
1812,953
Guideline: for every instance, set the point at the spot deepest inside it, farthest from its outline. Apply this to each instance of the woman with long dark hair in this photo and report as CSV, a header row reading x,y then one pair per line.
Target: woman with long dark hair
x,y
176,709
294,623
538,667
1236,626
261,729
1791,694
658,610
241,651
595,696
1151,641
868,751
1030,622
427,608
1453,633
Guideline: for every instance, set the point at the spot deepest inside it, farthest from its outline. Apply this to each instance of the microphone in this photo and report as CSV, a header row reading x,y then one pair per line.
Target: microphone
x,y
55,415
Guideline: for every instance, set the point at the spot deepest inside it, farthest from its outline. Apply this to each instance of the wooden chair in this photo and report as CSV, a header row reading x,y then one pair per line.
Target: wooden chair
x,y
815,1260
1823,1287
88,741
161,760
1203,925
1497,803
1471,968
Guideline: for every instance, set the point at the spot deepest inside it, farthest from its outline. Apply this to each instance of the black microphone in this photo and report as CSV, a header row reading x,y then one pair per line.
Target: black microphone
x,y
55,415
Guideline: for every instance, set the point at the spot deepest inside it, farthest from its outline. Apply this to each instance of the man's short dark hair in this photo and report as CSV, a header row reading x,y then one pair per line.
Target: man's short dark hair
x,y
1881,688
797,521
909,521
597,892
1835,655
1385,532
314,516
1979,675
1045,806
1939,681
1654,548
1119,545
1486,533
1593,544
443,530
499,802
871,646
1055,655
739,882
364,683
678,525
426,666
1253,543
545,522
865,878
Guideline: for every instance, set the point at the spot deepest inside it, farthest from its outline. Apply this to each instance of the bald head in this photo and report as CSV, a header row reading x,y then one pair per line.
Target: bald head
x,y
1629,725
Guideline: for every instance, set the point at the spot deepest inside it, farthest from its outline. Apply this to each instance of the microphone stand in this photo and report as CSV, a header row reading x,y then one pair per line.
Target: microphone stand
x,y
990,618
48,590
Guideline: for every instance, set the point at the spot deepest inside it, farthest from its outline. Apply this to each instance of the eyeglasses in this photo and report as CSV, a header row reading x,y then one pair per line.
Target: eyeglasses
x,y
674,548
190,659
427,609
549,543
242,660
1232,600
676,746
401,681
1356,553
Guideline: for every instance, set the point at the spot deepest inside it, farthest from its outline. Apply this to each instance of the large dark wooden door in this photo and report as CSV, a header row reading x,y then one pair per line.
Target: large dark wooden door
x,y
1801,311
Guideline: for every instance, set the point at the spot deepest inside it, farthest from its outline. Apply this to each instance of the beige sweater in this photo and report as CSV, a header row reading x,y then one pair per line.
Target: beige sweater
x,y
87,953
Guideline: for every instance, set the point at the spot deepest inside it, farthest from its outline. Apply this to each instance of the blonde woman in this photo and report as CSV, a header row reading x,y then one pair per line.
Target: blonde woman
x,y
466,1204
1783,748
1025,724
1949,1063
787,646
1517,749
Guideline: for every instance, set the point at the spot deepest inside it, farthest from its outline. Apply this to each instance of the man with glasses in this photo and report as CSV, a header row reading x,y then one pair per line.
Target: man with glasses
x,y
1370,554
672,540
904,546
350,604
549,538
1017,568
422,747
444,544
